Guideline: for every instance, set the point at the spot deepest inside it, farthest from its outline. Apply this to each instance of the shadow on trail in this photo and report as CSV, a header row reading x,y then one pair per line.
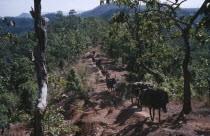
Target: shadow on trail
x,y
138,129
87,57
115,67
205,112
100,56
109,99
125,114
203,133
144,127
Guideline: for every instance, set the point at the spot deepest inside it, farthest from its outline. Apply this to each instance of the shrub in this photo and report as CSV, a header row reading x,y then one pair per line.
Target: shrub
x,y
83,73
74,84
55,123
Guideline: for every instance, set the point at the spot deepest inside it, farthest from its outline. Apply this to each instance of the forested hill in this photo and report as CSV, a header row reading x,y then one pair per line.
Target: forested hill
x,y
104,11
24,15
24,22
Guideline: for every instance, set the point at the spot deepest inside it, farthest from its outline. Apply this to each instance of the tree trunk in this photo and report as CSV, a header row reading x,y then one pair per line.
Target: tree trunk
x,y
209,87
40,25
187,108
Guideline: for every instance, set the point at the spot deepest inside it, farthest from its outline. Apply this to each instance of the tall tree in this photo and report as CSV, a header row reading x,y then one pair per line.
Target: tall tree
x,y
39,58
184,24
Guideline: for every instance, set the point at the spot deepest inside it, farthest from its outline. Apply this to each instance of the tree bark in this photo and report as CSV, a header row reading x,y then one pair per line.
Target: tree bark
x,y
187,108
40,25
209,87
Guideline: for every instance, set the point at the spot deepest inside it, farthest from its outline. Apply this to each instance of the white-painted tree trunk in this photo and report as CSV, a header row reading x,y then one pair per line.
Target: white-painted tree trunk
x,y
39,58
42,101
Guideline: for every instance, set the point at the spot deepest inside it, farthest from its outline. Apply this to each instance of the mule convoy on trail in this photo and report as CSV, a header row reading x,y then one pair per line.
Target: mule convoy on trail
x,y
147,95
144,93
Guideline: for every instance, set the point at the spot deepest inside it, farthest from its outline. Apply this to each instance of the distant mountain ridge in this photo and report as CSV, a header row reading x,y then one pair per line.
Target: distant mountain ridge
x,y
28,15
24,15
107,10
102,11
24,22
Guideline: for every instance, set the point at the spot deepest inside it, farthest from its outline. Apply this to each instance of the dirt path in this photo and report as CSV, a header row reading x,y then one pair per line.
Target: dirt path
x,y
107,114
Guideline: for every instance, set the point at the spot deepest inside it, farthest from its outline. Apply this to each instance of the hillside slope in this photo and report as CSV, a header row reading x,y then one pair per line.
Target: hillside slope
x,y
110,113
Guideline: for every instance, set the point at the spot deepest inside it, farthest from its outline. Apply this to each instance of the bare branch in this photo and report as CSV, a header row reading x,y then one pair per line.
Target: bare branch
x,y
32,12
192,20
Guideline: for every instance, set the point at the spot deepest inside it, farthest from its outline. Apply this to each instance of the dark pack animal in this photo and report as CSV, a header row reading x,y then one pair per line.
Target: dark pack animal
x,y
154,99
98,62
110,82
101,67
120,88
105,72
136,89
94,53
117,87
93,59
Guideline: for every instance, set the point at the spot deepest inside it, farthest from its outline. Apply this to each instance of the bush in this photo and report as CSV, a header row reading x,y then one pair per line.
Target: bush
x,y
83,73
55,123
74,84
8,101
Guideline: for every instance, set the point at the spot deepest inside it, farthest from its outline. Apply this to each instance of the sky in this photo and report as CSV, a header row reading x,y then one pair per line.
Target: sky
x,y
16,7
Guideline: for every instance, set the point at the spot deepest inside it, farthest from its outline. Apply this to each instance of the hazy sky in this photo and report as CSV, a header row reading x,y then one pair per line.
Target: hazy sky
x,y
16,7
